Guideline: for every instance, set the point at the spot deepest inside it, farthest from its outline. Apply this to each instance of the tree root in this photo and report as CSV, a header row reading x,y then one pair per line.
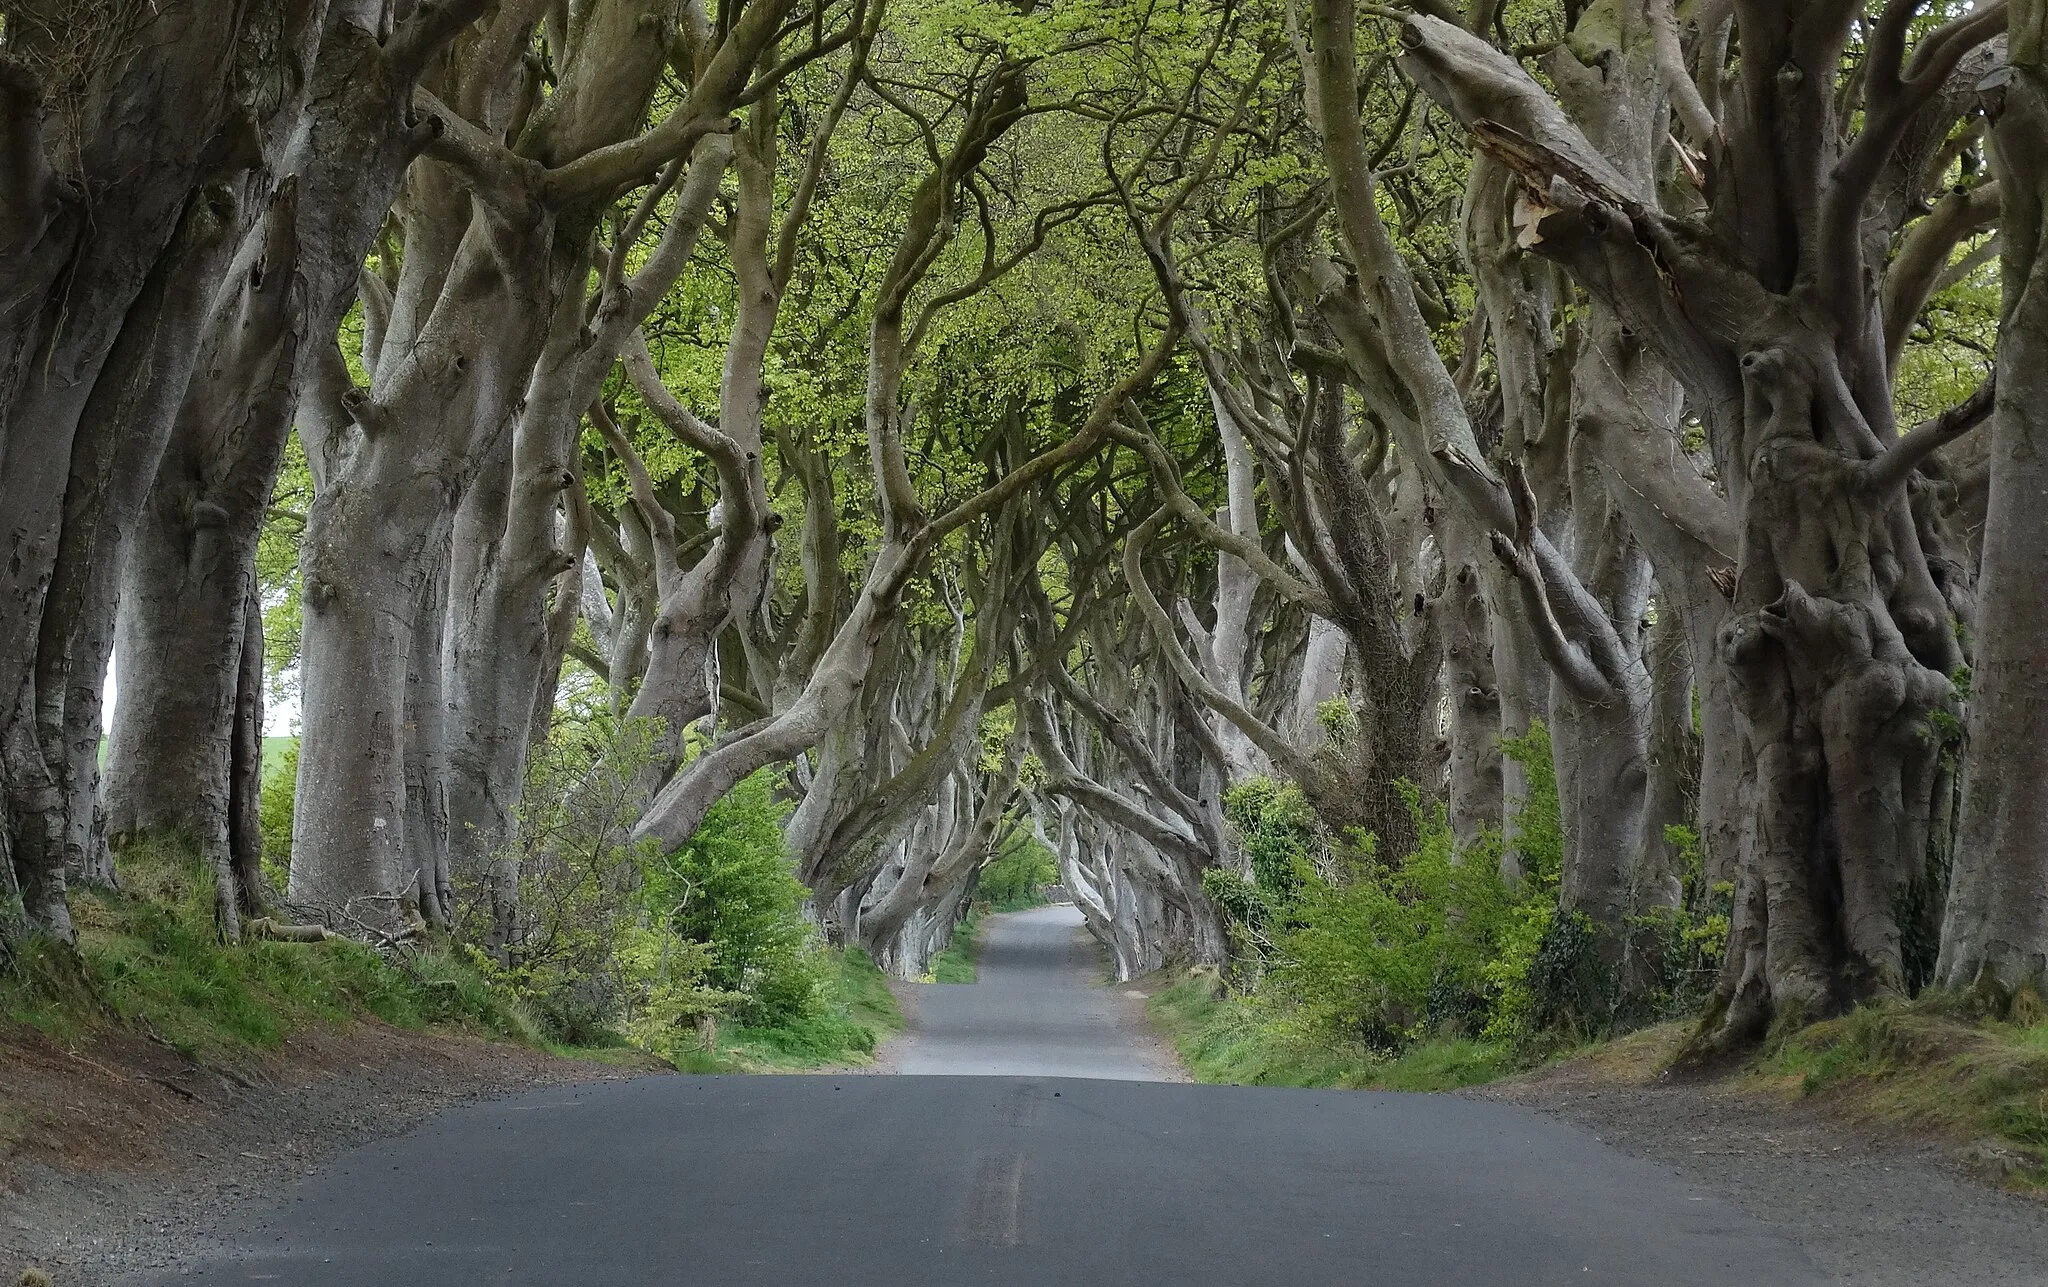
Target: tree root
x,y
272,930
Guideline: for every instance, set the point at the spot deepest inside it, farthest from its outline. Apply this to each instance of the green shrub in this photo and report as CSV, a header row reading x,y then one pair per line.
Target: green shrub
x,y
1017,878
1250,1041
956,962
1278,832
1517,1013
615,937
1377,955
1676,952
1343,946
730,890
855,1009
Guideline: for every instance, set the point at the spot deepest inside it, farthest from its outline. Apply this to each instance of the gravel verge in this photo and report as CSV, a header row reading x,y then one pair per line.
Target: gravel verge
x,y
125,1156
1871,1207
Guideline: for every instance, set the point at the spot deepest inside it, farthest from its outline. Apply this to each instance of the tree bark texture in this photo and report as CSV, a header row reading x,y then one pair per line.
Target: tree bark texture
x,y
1996,930
1838,645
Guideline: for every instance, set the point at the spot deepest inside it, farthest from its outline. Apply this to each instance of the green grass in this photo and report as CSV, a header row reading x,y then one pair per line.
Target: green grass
x,y
956,963
274,749
1241,1041
1931,1064
149,959
857,1013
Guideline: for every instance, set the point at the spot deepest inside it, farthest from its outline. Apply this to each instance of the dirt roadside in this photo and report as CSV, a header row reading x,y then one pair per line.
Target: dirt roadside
x,y
123,1155
1871,1207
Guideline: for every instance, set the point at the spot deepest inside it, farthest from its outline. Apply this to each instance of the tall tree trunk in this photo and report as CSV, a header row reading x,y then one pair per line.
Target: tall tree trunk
x,y
1995,934
1766,309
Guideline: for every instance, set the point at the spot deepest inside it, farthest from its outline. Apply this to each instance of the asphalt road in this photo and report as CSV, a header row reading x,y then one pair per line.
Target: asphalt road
x,y
1026,1178
1034,1012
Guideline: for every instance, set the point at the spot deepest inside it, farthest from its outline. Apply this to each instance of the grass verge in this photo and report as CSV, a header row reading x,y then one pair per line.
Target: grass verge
x,y
148,959
956,963
1933,1065
1240,1041
858,1011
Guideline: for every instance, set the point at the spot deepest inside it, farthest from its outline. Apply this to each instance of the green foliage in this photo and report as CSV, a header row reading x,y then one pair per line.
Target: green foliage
x,y
1349,952
956,964
700,955
1382,953
1537,832
1240,900
855,1011
730,890
578,888
1337,719
1017,878
274,811
278,581
1247,1041
1572,989
150,958
1680,948
1278,832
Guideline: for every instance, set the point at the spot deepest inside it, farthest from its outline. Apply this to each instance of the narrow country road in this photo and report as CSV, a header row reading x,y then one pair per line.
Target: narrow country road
x,y
1034,1012
1062,1167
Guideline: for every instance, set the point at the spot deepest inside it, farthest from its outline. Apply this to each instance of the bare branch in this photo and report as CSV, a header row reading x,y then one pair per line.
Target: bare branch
x,y
1897,463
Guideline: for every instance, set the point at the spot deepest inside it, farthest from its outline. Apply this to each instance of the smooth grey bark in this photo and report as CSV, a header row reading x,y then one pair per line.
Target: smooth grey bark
x,y
509,540
953,736
1225,651
122,184
1672,797
1338,517
1474,789
1764,304
179,631
1995,932
468,322
1321,680
249,889
120,435
903,928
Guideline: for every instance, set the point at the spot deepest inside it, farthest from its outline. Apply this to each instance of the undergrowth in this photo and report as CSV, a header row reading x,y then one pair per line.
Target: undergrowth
x,y
856,1011
1934,1064
1250,1041
1016,880
956,964
148,958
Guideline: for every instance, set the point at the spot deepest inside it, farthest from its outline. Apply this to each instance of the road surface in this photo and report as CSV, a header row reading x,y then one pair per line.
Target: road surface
x,y
1035,1012
1031,1177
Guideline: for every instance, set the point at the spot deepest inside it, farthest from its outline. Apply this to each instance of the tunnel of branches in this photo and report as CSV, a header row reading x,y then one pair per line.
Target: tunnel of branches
x,y
1558,454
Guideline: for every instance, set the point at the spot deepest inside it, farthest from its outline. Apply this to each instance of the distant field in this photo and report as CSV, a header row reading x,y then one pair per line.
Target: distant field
x,y
273,752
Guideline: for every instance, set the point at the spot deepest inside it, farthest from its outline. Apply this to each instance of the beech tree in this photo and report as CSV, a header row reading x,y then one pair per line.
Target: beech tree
x,y
1761,294
956,423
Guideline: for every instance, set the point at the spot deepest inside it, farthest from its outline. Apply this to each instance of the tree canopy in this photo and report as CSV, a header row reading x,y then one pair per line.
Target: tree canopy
x,y
1564,468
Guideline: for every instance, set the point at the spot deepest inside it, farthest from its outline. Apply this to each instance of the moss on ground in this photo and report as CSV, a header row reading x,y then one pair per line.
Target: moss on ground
x,y
1243,1041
